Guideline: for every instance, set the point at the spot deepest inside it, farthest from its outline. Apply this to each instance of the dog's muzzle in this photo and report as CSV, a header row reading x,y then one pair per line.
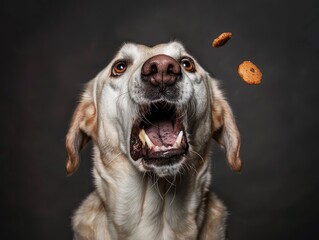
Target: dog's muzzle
x,y
158,135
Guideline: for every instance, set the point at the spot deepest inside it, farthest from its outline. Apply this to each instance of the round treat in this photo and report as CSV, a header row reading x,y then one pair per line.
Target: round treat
x,y
221,39
249,72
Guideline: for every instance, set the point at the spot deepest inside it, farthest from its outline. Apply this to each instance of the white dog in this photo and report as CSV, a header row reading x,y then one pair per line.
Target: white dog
x,y
151,114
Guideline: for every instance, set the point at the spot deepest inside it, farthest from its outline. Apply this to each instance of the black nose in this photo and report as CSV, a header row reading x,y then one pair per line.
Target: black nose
x,y
161,70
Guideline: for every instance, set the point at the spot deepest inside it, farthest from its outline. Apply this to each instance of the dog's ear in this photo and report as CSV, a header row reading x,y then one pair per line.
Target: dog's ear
x,y
224,128
81,130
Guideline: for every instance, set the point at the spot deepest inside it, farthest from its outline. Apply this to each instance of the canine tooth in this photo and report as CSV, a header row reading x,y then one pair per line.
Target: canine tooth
x,y
149,142
178,141
141,135
157,149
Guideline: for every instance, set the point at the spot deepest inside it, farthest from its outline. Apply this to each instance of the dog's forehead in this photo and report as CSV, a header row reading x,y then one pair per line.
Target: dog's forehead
x,y
132,50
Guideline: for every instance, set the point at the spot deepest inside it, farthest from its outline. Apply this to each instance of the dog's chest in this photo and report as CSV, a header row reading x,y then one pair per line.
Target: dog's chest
x,y
156,211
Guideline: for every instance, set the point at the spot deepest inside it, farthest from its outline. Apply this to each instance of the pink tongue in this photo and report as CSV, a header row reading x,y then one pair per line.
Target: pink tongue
x,y
161,133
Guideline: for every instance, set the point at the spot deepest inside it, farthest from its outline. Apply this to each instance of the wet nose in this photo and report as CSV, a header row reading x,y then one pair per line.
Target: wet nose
x,y
161,70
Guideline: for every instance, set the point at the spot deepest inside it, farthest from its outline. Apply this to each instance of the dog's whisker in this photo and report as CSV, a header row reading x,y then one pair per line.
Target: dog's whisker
x,y
191,110
154,180
187,168
173,198
192,168
201,158
112,160
144,116
157,187
170,182
144,174
169,188
182,115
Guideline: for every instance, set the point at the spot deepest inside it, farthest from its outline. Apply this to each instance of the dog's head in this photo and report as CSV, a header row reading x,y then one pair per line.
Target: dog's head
x,y
156,106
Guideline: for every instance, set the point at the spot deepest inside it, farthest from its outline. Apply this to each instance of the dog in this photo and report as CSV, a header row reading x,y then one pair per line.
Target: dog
x,y
152,114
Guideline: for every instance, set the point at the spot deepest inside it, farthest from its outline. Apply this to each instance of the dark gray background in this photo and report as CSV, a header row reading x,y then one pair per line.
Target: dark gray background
x,y
49,49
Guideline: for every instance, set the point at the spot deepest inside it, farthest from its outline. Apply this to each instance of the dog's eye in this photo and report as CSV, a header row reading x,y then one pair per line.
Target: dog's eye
x,y
119,68
188,64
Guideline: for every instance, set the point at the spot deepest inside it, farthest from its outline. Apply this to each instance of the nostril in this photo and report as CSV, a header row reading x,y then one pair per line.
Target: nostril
x,y
149,69
173,69
153,69
170,69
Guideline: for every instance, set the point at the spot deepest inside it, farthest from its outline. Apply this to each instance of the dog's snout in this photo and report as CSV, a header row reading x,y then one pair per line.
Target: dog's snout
x,y
161,70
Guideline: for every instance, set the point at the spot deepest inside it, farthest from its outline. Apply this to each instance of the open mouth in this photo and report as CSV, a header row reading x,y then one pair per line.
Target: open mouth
x,y
158,136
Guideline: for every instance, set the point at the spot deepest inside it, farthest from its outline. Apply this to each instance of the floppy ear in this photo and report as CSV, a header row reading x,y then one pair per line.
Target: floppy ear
x,y
224,128
82,129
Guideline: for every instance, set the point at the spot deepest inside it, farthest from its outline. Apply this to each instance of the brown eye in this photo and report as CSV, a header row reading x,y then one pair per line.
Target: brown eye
x,y
188,64
119,68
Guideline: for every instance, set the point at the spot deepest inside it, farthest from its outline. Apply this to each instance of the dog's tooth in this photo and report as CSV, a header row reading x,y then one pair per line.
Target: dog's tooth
x,y
157,149
149,142
163,148
141,135
178,141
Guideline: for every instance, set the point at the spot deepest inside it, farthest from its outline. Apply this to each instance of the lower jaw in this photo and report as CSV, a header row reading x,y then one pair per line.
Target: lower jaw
x,y
166,168
162,161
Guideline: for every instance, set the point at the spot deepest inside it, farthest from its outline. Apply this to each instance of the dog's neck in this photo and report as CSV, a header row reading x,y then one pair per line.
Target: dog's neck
x,y
138,203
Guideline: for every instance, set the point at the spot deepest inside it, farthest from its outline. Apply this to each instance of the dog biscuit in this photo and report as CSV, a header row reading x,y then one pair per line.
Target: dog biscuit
x,y
221,39
249,72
